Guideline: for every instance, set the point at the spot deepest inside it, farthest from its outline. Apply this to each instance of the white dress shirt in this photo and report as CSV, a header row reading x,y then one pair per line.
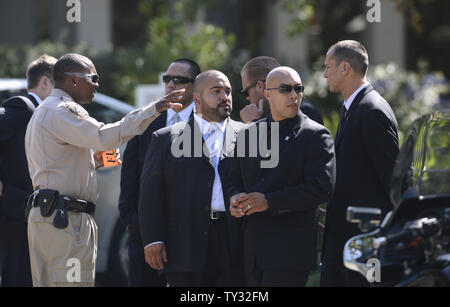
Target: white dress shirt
x,y
348,102
217,201
184,114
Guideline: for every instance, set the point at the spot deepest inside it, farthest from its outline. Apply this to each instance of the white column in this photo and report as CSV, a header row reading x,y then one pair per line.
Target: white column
x,y
96,24
289,51
386,39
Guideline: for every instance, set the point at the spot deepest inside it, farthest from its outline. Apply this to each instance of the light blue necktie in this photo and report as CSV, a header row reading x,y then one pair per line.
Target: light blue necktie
x,y
175,119
211,140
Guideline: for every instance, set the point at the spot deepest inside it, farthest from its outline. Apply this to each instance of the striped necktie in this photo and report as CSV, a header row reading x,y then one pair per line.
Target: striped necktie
x,y
212,141
175,119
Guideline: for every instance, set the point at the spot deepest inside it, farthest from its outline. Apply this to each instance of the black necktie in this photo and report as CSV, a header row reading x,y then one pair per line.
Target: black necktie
x,y
342,121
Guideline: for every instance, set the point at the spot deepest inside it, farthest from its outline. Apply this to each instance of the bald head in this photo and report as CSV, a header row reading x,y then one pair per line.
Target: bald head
x,y
284,92
203,79
212,95
279,73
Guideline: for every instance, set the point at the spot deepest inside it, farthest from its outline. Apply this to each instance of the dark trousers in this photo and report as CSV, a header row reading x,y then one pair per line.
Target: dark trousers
x,y
16,262
140,274
276,278
218,271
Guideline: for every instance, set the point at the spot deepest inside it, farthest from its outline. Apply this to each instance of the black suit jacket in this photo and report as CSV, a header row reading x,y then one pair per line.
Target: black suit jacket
x,y
175,197
366,150
285,236
132,165
15,114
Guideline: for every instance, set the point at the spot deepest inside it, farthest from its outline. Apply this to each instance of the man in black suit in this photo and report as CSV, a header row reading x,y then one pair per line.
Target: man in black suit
x,y
279,203
15,184
366,147
253,76
180,74
185,226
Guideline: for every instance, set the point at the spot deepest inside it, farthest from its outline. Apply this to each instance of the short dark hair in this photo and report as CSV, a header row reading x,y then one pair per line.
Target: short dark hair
x,y
70,62
258,68
195,68
352,52
40,67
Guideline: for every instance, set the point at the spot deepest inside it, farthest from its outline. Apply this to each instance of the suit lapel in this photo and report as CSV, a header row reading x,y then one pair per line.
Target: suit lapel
x,y
354,105
286,136
229,140
161,120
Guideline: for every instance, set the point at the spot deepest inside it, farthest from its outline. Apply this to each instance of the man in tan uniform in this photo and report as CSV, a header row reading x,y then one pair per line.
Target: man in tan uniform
x,y
60,142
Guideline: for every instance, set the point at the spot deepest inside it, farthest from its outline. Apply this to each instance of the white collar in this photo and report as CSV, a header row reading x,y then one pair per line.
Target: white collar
x,y
204,125
184,114
38,99
348,102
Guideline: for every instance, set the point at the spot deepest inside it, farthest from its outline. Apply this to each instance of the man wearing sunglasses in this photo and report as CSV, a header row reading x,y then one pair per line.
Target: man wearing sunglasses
x,y
279,204
253,76
60,142
180,75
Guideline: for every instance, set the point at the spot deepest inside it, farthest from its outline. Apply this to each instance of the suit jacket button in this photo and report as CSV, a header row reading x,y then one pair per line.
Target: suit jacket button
x,y
210,184
205,233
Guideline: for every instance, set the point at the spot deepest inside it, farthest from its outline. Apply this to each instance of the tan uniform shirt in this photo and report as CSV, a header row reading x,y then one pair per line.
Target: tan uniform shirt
x,y
61,139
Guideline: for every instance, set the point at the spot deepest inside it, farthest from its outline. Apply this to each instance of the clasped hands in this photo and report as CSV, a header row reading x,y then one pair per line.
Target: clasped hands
x,y
246,204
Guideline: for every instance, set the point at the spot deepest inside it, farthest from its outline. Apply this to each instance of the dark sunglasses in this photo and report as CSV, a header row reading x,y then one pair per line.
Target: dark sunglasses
x,y
177,79
245,90
93,78
286,88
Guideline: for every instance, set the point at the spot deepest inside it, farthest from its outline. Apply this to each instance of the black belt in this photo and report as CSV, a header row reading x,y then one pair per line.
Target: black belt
x,y
72,204
216,215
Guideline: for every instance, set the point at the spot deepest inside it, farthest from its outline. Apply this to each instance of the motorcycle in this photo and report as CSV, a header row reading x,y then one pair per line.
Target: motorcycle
x,y
411,246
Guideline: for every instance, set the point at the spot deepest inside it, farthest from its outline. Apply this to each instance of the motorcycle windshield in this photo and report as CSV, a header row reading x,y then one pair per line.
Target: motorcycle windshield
x,y
423,165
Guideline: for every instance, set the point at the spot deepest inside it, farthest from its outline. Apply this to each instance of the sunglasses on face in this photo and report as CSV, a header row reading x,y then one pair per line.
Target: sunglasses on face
x,y
245,90
91,77
286,88
177,79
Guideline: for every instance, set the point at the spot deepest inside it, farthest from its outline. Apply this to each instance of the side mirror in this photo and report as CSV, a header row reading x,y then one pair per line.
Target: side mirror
x,y
367,218
359,250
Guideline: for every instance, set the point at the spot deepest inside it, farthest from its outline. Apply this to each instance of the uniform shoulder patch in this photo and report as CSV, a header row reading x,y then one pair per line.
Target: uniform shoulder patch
x,y
75,108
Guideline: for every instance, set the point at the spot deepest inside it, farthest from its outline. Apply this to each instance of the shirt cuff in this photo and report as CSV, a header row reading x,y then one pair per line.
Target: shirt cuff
x,y
157,242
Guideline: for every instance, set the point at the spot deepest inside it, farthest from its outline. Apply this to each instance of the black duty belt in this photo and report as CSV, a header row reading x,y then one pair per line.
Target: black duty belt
x,y
49,200
75,205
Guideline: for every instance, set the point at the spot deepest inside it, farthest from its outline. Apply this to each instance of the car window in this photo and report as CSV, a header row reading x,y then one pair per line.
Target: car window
x,y
10,93
96,110
102,113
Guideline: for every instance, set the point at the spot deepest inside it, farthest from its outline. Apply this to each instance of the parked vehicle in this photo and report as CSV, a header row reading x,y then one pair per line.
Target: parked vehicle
x,y
412,244
112,257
